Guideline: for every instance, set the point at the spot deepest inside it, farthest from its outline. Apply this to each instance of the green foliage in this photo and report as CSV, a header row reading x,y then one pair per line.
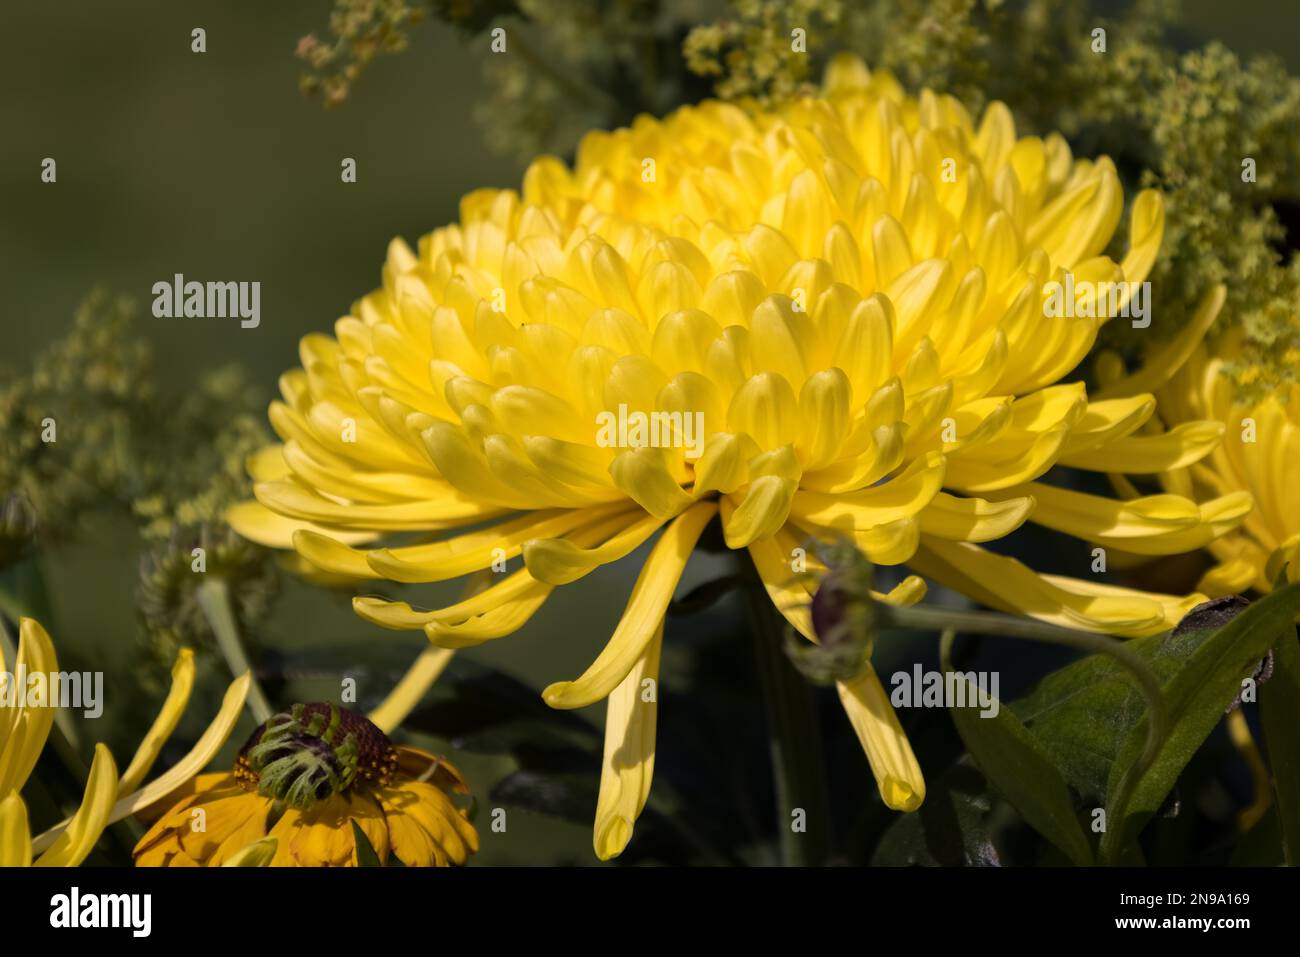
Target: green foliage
x,y
1018,765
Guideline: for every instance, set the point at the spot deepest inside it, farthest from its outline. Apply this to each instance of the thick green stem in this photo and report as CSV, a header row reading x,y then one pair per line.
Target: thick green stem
x,y
214,599
803,809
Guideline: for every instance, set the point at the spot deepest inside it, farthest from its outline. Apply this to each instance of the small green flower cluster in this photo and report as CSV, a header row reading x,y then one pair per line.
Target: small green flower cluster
x,y
88,430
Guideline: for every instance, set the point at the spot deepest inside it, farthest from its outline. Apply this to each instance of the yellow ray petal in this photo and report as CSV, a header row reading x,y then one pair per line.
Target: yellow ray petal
x,y
78,838
23,729
209,743
900,497
297,501
763,510
408,692
1007,585
644,613
1161,367
259,524
1151,525
257,854
15,839
1140,455
168,717
973,519
897,773
629,758
559,561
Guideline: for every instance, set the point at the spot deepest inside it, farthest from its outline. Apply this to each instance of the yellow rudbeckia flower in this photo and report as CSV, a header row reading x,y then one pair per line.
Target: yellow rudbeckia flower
x,y
303,778
846,294
25,726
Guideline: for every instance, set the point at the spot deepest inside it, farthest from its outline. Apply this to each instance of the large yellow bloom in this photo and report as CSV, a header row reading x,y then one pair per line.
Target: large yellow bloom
x,y
26,717
849,289
1260,454
289,783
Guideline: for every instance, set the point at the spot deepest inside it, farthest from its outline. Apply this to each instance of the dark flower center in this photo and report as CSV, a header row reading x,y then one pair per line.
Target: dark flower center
x,y
313,751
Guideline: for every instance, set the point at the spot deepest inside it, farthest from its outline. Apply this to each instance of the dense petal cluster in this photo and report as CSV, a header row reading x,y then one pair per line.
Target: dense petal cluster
x,y
848,293
1260,454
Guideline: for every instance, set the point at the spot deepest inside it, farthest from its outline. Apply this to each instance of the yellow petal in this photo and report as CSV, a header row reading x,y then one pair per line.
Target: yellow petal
x,y
78,838
178,696
973,519
209,743
259,853
1179,447
897,773
23,729
643,615
900,497
763,510
408,692
1161,367
643,474
15,839
558,561
1007,585
629,758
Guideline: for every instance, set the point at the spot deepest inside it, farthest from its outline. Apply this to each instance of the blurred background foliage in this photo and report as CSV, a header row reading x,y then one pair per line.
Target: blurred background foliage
x,y
217,166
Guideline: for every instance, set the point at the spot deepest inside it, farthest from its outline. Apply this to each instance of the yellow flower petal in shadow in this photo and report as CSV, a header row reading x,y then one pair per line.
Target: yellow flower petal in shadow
x,y
629,756
15,839
643,615
168,717
77,839
209,743
24,728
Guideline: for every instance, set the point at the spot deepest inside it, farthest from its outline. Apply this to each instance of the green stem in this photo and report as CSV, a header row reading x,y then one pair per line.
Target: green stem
x,y
214,599
1007,626
795,741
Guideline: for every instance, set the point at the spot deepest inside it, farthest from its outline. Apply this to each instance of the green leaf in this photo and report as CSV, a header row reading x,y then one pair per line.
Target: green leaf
x,y
1081,713
366,856
1018,766
1279,711
953,828
1210,677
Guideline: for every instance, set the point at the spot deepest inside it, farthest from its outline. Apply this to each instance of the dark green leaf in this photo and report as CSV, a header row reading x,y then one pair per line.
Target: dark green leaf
x,y
1209,679
1019,767
951,829
366,856
1279,711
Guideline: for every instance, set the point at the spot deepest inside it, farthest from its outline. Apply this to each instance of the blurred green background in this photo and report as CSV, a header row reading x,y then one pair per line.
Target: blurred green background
x,y
216,166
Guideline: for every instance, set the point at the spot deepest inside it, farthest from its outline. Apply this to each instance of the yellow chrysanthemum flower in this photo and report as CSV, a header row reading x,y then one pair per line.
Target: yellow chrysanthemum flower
x,y
302,779
847,290
1260,454
26,717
